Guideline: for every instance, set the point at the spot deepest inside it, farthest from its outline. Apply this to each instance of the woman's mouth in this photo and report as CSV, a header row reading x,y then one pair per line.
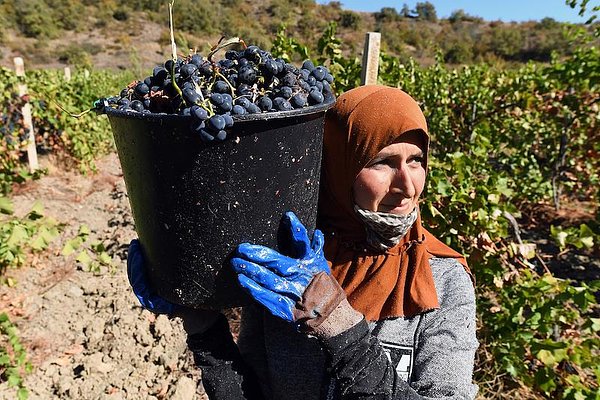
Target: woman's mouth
x,y
404,207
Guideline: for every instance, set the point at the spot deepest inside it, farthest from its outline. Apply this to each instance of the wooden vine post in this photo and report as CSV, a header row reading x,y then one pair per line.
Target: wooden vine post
x,y
370,60
26,113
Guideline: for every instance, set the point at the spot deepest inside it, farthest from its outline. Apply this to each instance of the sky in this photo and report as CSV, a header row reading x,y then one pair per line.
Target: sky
x,y
505,10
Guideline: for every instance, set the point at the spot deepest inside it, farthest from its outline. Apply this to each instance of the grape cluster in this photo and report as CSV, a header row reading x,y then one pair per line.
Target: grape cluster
x,y
214,93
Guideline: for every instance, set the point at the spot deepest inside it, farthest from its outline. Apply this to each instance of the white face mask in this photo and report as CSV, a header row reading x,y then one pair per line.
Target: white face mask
x,y
385,230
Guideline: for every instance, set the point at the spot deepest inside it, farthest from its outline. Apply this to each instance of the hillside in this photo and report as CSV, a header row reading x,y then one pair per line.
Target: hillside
x,y
135,35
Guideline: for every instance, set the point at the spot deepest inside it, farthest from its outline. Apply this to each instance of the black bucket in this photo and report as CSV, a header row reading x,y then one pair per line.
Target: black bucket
x,y
194,202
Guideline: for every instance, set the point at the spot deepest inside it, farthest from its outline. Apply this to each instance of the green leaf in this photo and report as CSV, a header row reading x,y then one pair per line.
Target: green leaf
x,y
13,378
546,357
71,246
6,206
37,211
84,230
18,236
22,394
84,258
105,258
493,198
587,242
560,236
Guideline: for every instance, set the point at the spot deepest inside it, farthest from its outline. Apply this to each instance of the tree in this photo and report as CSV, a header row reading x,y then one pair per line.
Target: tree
x,y
350,19
426,11
387,14
405,12
461,15
583,9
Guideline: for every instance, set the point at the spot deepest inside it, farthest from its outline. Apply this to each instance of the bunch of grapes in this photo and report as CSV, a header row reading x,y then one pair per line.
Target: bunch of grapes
x,y
213,94
12,126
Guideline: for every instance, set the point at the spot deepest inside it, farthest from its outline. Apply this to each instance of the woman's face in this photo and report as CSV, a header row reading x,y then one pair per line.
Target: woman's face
x,y
394,179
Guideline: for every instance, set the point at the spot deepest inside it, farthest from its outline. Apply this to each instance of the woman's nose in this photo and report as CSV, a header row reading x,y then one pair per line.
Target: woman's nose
x,y
401,182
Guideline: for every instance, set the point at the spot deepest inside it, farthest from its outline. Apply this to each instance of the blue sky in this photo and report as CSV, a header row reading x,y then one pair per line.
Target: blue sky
x,y
505,10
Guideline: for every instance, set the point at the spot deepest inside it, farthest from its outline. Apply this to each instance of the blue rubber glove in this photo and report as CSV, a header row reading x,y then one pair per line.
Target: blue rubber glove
x,y
137,279
275,280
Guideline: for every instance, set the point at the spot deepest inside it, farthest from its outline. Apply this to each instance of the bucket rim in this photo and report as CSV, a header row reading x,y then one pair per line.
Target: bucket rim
x,y
327,103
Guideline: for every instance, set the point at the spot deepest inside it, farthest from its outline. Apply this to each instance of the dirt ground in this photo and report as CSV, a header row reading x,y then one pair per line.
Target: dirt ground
x,y
86,335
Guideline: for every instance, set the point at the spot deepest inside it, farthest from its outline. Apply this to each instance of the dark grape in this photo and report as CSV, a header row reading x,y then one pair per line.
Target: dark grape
x,y
308,65
298,100
221,135
271,67
244,90
141,89
252,53
242,101
285,92
206,68
247,74
304,73
216,123
226,64
197,60
199,112
159,73
253,109
289,79
319,73
191,96
232,55
238,110
315,97
228,120
265,103
205,136
217,99
137,105
187,70
281,104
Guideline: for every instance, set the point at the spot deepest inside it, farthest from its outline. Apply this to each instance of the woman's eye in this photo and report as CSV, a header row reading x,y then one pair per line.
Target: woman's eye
x,y
381,162
418,160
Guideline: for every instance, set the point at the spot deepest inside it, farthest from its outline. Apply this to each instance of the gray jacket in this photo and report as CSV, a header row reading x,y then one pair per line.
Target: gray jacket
x,y
430,355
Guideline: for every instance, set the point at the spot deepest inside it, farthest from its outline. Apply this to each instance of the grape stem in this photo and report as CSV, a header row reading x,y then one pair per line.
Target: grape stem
x,y
224,44
173,45
173,50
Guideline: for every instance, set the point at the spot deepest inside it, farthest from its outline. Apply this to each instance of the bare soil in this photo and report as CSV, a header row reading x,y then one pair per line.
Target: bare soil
x,y
85,333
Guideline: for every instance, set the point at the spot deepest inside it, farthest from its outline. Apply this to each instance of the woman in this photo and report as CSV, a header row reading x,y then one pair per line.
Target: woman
x,y
381,309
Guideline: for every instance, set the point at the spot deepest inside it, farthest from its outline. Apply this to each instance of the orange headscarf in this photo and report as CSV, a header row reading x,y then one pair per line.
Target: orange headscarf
x,y
397,282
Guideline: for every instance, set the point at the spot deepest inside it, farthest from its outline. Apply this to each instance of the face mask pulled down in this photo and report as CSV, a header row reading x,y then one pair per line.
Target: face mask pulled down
x,y
385,230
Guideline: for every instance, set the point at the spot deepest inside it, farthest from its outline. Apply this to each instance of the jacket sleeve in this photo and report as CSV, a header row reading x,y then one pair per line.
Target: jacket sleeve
x,y
444,353
224,374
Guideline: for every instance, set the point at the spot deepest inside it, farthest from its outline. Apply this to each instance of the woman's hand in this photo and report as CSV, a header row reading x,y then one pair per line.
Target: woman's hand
x,y
137,279
297,286
194,320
